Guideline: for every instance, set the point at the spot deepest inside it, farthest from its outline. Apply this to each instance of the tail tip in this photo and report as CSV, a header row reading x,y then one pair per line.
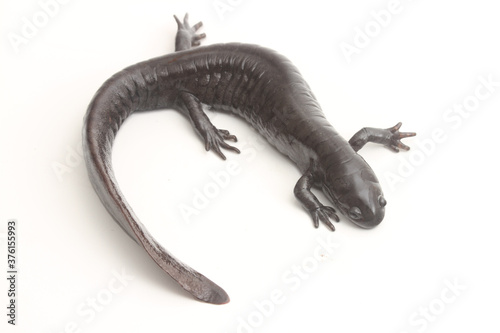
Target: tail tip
x,y
215,296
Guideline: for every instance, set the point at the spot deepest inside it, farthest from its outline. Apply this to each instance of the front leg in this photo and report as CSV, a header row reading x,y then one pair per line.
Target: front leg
x,y
390,137
318,212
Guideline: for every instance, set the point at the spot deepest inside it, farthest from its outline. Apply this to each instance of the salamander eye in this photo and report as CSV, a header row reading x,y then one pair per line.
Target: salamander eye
x,y
355,213
382,201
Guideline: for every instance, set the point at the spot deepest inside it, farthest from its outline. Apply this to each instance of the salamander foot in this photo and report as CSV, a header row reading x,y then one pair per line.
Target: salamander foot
x,y
393,140
186,35
215,140
323,214
389,137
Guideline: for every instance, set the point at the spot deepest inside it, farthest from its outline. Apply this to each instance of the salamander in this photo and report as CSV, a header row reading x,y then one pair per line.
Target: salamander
x,y
266,90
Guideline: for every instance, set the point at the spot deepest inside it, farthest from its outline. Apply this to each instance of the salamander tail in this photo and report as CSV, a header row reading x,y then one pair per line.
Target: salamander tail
x,y
100,127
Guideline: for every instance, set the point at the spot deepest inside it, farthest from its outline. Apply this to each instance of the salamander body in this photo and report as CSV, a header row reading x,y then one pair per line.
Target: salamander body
x,y
265,89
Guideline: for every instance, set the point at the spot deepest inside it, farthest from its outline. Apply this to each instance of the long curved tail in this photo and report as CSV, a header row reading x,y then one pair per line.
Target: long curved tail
x,y
111,105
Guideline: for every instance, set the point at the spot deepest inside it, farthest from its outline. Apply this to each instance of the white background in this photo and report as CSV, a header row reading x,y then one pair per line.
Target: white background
x,y
441,227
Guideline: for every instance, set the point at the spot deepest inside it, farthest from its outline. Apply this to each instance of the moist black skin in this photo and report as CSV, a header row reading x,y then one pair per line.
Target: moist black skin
x,y
266,90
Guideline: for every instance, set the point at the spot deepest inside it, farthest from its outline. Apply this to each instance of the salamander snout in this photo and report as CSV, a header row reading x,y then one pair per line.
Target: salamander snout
x,y
370,213
359,197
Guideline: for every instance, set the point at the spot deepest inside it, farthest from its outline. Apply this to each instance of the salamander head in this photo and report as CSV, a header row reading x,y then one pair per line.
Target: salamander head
x,y
359,197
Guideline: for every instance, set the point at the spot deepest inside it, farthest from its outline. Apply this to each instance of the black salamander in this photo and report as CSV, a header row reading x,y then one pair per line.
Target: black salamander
x,y
266,90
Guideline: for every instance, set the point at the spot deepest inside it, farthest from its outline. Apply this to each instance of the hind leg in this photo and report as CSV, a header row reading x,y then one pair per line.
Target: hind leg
x,y
186,36
215,139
